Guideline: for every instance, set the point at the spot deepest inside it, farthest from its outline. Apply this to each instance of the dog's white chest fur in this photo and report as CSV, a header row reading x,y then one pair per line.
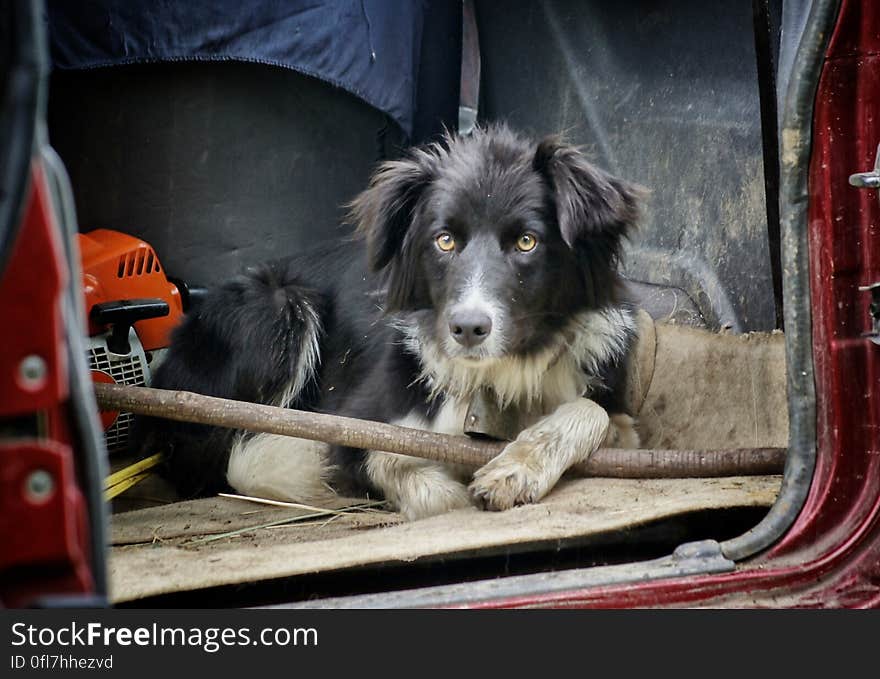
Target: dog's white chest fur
x,y
564,370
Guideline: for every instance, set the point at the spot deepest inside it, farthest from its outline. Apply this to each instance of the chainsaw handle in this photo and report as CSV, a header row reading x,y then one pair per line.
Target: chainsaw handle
x,y
124,313
190,295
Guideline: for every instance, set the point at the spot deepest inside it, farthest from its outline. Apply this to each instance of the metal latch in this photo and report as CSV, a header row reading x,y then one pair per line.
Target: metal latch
x,y
868,180
874,310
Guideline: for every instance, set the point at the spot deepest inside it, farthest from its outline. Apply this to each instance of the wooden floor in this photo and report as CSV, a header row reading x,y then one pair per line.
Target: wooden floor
x,y
175,548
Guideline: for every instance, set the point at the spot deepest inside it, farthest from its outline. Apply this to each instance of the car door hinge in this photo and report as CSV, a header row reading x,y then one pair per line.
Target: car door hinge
x,y
874,310
871,180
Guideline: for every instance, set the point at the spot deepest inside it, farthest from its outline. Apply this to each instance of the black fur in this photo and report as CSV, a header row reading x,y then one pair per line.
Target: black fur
x,y
486,191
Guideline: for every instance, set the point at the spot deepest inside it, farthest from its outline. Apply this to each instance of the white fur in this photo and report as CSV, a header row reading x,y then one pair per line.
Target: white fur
x,y
561,372
279,468
417,488
529,467
449,418
308,356
474,296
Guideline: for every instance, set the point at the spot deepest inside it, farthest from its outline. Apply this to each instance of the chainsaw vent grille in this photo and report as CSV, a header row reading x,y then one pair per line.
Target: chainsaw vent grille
x,y
137,263
128,370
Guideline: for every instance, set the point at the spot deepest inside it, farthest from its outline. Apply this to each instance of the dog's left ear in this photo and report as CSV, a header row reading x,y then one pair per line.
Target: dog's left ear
x,y
589,202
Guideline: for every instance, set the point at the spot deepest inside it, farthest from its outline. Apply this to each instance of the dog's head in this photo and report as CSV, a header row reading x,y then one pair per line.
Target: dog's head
x,y
491,242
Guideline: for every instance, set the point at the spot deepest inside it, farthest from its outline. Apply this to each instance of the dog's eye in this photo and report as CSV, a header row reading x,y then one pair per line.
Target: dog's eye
x,y
445,242
526,242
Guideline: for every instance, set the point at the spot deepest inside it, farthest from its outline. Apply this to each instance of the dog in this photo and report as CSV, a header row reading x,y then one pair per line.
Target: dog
x,y
484,264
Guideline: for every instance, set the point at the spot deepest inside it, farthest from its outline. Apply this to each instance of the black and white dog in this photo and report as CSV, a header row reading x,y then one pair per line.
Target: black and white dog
x,y
483,263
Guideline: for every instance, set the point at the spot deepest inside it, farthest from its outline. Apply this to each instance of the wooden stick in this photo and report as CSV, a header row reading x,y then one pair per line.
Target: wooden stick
x,y
185,406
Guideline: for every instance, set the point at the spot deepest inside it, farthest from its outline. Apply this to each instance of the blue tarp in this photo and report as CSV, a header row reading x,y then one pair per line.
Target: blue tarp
x,y
367,47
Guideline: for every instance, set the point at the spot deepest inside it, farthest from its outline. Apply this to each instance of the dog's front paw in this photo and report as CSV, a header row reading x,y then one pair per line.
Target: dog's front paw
x,y
513,478
429,494
416,488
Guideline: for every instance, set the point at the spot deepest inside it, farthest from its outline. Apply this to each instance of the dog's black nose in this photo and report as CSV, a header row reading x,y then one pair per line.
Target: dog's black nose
x,y
470,327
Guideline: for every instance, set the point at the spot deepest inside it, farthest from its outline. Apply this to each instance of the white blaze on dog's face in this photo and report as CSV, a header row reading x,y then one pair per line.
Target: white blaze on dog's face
x,y
492,243
474,322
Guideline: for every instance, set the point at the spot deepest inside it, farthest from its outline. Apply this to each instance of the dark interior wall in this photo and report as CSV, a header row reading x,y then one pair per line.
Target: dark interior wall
x,y
217,165
664,94
221,165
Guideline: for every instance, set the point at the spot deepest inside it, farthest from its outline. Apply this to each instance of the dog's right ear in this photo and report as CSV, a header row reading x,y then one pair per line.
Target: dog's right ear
x,y
383,214
384,211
